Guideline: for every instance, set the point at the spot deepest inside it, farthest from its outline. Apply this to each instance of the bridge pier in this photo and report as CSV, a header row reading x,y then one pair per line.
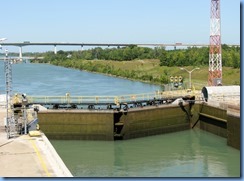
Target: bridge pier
x,y
55,49
20,53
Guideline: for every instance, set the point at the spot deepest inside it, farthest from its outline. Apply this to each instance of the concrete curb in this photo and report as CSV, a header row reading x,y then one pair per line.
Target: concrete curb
x,y
55,160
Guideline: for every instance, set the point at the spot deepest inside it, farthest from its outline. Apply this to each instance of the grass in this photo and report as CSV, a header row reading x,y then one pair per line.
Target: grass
x,y
231,76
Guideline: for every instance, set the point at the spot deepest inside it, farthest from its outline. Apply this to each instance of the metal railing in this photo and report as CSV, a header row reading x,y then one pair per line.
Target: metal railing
x,y
67,99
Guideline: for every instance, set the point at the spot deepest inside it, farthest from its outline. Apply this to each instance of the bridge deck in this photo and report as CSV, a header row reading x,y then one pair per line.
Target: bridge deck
x,y
105,44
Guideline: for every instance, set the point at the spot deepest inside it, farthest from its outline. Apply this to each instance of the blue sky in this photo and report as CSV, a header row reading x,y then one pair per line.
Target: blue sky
x,y
115,21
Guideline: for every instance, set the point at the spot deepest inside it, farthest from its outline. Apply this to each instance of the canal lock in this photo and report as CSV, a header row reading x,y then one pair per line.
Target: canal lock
x,y
119,128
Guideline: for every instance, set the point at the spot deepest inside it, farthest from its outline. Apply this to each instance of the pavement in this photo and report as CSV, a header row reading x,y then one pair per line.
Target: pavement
x,y
25,156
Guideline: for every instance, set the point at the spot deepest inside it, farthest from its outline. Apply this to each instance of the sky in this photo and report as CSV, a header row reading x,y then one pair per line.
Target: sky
x,y
114,21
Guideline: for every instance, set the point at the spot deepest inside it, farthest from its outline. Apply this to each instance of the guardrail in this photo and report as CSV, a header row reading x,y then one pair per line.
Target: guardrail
x,y
68,99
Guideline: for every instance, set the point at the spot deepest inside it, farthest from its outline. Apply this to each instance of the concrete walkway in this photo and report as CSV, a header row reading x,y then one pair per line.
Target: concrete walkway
x,y
26,156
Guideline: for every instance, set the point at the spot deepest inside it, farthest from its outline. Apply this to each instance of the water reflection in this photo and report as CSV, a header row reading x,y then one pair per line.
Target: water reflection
x,y
188,153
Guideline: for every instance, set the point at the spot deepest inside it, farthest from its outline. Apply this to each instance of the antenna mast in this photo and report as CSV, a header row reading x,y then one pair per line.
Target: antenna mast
x,y
11,123
215,56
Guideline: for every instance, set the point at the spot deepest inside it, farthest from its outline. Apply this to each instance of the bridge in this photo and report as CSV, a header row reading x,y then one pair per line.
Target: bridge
x,y
27,43
55,44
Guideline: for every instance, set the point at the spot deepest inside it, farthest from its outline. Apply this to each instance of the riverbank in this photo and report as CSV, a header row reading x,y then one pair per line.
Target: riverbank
x,y
149,71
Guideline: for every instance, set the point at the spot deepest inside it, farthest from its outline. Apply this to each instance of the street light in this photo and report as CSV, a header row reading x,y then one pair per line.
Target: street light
x,y
190,74
1,40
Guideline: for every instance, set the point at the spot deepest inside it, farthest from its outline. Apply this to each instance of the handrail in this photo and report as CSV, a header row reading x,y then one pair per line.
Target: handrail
x,y
105,99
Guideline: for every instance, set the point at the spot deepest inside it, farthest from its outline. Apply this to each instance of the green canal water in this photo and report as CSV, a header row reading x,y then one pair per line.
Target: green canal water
x,y
191,153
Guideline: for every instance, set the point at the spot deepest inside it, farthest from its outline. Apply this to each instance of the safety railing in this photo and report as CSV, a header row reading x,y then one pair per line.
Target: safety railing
x,y
67,99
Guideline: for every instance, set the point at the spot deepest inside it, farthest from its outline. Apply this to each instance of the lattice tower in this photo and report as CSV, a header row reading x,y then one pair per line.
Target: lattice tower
x,y
215,56
11,127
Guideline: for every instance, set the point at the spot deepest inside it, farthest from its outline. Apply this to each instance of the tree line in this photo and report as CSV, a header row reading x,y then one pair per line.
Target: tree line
x,y
191,56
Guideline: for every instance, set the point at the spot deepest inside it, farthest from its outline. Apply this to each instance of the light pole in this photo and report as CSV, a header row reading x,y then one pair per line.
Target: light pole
x,y
190,74
1,40
24,103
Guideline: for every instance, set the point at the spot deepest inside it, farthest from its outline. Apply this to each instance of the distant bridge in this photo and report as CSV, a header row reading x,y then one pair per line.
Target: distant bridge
x,y
27,43
55,44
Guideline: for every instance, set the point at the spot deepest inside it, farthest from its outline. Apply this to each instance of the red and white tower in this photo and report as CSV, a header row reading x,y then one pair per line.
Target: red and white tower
x,y
215,57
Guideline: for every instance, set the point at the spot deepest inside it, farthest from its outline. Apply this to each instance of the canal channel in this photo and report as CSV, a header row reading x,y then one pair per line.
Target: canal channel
x,y
190,153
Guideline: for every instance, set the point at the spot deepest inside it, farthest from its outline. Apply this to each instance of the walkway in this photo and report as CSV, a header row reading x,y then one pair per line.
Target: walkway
x,y
26,156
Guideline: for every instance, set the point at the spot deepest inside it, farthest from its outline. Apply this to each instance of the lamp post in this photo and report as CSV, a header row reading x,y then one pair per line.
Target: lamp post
x,y
190,74
24,103
1,40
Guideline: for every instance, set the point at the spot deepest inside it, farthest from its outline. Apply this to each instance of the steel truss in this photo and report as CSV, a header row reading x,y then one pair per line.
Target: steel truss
x,y
11,124
215,53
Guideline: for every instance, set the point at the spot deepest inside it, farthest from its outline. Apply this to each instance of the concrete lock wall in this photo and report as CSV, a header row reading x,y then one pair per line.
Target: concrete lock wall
x,y
234,131
234,127
100,125
141,122
213,119
224,122
152,121
85,125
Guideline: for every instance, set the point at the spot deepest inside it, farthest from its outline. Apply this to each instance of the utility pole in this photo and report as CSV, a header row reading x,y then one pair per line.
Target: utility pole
x,y
215,54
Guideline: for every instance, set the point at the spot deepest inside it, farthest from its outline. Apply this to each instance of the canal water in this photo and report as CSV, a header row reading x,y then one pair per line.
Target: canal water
x,y
191,153
44,79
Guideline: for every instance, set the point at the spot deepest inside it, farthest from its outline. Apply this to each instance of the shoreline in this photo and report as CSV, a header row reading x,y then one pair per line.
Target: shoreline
x,y
149,72
109,75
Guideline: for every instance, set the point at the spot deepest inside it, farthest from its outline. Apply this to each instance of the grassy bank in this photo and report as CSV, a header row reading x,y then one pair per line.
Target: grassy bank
x,y
150,71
